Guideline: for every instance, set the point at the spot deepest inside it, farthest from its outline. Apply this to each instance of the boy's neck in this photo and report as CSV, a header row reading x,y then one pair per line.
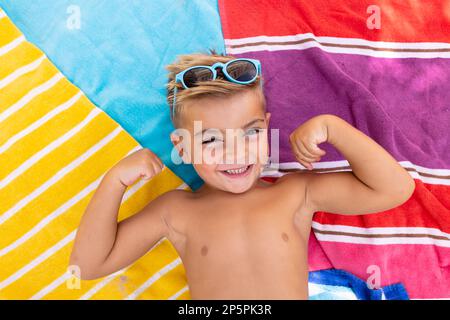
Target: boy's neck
x,y
259,183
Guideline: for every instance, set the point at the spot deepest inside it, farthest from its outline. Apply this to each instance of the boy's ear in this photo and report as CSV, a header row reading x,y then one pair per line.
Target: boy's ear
x,y
174,138
182,152
268,118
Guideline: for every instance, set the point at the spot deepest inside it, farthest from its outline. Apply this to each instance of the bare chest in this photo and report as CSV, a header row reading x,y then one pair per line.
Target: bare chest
x,y
219,233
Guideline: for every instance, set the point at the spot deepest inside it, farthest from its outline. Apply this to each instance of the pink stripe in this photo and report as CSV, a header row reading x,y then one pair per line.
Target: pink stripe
x,y
423,269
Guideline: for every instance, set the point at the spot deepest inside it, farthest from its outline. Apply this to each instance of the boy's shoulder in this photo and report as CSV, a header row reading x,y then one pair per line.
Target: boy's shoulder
x,y
294,185
176,203
175,195
295,179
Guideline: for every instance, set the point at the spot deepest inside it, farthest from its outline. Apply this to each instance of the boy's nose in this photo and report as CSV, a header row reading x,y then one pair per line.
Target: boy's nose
x,y
237,152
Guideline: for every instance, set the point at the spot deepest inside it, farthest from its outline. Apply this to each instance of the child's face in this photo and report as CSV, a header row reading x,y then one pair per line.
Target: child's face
x,y
213,123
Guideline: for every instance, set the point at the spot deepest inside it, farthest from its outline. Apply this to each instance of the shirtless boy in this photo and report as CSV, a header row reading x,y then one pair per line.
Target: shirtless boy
x,y
238,236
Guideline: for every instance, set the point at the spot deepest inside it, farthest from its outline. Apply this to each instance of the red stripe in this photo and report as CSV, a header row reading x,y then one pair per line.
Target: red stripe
x,y
428,207
269,179
401,21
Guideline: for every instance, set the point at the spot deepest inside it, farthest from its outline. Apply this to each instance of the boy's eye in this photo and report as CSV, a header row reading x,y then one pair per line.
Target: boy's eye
x,y
210,140
253,131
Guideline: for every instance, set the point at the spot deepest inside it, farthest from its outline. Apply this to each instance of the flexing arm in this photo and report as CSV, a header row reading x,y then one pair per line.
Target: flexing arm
x,y
102,245
377,182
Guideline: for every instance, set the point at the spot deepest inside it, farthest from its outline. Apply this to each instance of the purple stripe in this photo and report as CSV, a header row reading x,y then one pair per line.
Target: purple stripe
x,y
403,104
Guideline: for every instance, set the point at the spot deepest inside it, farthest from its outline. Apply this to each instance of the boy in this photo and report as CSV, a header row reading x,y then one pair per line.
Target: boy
x,y
238,236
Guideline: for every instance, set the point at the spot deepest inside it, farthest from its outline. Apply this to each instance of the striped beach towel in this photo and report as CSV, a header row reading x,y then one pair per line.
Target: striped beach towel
x,y
383,66
55,146
41,204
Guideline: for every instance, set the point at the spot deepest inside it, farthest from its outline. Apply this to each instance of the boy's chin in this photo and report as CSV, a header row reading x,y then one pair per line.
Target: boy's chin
x,y
238,187
237,190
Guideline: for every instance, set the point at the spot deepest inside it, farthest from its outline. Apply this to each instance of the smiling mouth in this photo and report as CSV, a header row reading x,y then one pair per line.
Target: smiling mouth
x,y
238,172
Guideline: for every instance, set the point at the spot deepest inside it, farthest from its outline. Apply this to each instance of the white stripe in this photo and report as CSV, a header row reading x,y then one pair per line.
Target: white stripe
x,y
271,171
58,246
380,230
52,146
153,279
338,40
338,292
251,46
38,227
10,46
30,95
55,178
63,208
66,105
382,241
21,71
430,180
2,14
357,51
179,293
142,182
108,279
437,172
314,289
55,248
101,284
21,272
343,163
52,286
316,165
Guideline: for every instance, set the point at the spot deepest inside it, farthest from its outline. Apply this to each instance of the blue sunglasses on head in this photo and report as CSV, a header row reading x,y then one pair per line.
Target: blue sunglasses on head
x,y
241,71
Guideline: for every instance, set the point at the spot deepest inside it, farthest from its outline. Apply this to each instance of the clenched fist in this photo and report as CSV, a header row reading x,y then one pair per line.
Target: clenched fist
x,y
142,164
306,138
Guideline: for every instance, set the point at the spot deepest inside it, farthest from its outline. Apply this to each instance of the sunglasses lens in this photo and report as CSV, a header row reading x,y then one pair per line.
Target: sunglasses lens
x,y
242,71
196,75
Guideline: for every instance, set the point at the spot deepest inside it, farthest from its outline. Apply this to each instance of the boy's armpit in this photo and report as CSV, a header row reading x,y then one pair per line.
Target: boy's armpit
x,y
176,215
295,186
136,235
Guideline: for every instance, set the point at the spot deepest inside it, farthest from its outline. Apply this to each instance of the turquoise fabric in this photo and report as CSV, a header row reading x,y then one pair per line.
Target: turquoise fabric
x,y
117,53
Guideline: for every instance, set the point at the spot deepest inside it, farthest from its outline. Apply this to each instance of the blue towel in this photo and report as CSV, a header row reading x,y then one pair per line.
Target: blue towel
x,y
334,284
117,52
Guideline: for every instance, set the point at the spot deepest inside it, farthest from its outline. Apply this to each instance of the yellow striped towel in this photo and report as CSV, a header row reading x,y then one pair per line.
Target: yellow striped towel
x,y
55,146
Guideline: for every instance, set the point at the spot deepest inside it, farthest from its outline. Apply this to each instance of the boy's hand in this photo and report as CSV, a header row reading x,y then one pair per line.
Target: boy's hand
x,y
306,138
140,164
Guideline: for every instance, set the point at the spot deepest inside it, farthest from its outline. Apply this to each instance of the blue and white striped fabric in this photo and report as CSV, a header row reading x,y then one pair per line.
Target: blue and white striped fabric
x,y
334,284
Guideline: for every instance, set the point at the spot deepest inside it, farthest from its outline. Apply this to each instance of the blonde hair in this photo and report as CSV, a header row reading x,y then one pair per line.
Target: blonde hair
x,y
217,88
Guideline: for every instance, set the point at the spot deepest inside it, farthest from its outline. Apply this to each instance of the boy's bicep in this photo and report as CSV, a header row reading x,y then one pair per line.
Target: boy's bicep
x,y
343,193
137,234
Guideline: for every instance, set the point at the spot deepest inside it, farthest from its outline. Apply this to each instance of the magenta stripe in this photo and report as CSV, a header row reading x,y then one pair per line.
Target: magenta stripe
x,y
424,270
403,104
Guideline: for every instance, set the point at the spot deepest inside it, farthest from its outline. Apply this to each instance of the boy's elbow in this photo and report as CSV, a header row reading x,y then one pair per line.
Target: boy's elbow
x,y
87,276
82,271
406,189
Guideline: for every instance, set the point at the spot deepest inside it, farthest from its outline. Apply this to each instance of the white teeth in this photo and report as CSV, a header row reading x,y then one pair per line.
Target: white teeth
x,y
237,171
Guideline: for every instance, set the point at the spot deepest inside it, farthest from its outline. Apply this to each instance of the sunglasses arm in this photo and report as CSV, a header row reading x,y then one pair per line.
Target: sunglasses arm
x,y
174,101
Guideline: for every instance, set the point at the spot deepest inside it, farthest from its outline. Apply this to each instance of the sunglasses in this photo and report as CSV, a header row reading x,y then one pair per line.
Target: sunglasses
x,y
241,71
